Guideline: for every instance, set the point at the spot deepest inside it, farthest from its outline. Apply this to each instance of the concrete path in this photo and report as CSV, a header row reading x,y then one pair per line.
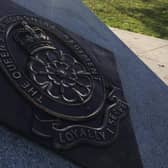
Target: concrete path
x,y
152,51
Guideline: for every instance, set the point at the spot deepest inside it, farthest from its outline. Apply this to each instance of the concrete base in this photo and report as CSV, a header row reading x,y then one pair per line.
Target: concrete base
x,y
145,92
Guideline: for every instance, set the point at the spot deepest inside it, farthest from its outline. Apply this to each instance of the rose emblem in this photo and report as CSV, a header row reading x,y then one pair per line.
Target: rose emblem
x,y
61,76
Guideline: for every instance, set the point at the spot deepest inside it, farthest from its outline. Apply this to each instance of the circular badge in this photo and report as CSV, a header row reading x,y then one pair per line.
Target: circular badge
x,y
50,68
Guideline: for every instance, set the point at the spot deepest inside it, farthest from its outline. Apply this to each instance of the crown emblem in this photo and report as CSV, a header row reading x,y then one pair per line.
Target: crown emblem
x,y
33,39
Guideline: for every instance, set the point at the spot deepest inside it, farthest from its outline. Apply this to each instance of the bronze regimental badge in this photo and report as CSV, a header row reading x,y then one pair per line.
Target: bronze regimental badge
x,y
57,75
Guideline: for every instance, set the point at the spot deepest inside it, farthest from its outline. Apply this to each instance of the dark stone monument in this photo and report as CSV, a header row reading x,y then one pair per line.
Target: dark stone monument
x,y
63,91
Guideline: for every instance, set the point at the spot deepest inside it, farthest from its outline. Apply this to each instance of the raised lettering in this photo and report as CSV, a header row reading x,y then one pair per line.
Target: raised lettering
x,y
7,61
69,136
25,84
32,91
61,138
11,67
39,99
82,133
101,134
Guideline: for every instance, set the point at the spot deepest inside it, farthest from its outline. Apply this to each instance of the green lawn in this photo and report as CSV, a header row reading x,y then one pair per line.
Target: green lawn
x,y
143,16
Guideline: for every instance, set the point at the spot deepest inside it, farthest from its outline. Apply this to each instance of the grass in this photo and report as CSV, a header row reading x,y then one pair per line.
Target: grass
x,y
148,17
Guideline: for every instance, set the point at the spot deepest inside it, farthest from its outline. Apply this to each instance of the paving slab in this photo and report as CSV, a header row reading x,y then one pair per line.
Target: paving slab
x,y
140,43
152,51
147,95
